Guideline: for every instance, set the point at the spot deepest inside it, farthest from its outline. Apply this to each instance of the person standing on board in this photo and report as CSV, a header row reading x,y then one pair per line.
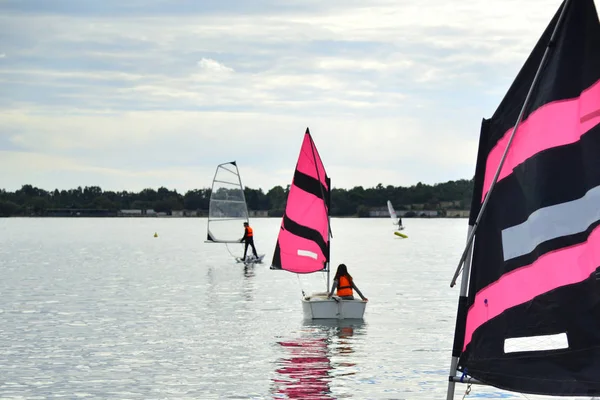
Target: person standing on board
x,y
249,239
344,284
399,223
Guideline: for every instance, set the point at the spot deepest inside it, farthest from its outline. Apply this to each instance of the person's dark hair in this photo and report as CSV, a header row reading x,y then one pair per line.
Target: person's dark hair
x,y
342,270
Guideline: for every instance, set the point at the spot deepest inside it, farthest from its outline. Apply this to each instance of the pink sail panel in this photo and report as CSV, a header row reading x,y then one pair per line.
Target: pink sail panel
x,y
303,241
309,211
299,255
554,124
548,272
309,161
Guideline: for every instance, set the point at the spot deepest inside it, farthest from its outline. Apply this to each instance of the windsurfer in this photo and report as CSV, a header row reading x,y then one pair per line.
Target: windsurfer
x,y
249,239
344,284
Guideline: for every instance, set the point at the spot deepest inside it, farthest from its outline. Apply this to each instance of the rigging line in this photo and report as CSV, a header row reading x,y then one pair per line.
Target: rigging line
x,y
233,255
312,147
468,391
300,284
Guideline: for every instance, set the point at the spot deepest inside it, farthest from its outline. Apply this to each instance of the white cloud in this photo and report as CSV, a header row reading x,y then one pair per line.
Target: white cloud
x,y
210,65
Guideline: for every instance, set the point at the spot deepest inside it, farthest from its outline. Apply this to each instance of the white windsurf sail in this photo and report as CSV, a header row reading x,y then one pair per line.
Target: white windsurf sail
x,y
393,215
227,210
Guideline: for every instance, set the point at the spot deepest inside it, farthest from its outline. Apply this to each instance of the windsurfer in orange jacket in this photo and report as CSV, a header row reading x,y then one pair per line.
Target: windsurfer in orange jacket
x,y
344,284
249,239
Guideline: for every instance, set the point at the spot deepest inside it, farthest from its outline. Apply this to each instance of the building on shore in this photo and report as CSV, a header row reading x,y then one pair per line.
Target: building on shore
x,y
457,213
258,213
79,212
383,213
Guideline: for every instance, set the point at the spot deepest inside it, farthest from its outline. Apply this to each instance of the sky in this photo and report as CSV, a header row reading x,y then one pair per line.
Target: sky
x,y
131,94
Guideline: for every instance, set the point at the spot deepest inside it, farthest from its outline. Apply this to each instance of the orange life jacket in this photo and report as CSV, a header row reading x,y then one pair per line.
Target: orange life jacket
x,y
249,232
344,287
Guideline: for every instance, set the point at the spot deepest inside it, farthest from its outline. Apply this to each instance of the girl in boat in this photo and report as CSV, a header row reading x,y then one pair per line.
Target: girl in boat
x,y
344,284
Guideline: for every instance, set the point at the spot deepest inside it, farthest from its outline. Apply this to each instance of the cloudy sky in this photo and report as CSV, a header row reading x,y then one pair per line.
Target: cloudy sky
x,y
128,94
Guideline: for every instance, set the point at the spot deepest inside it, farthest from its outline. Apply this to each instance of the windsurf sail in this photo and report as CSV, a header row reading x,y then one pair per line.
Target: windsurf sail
x,y
227,208
531,320
392,212
303,242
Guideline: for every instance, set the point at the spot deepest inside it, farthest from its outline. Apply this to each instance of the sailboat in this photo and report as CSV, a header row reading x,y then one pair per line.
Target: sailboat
x,y
528,317
303,244
227,210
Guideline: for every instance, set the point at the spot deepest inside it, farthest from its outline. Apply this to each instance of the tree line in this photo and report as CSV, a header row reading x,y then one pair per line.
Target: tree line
x,y
30,200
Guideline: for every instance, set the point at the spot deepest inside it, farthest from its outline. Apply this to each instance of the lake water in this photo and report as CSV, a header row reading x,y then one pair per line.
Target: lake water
x,y
100,309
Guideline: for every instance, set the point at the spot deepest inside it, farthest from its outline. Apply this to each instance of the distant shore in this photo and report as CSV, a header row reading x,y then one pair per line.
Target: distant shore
x,y
448,199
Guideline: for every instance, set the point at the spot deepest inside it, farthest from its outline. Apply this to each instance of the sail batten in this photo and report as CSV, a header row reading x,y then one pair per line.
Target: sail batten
x,y
535,260
303,240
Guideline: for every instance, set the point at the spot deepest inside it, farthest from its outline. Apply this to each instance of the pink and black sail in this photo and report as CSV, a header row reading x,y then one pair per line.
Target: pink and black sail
x,y
303,242
537,248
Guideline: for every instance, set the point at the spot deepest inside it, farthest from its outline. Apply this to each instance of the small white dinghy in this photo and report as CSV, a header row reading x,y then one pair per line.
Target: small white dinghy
x,y
303,243
318,306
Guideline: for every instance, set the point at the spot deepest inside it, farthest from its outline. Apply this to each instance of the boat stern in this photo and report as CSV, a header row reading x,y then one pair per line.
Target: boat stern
x,y
318,306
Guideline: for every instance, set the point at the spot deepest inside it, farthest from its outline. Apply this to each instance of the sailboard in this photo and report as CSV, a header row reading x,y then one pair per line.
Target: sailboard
x,y
303,243
400,234
227,210
528,317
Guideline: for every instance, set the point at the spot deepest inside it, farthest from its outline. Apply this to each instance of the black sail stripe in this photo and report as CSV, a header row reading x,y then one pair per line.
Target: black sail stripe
x,y
304,232
276,263
309,185
300,231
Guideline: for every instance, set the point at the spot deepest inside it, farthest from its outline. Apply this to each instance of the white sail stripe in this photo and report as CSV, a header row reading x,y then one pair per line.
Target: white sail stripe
x,y
550,223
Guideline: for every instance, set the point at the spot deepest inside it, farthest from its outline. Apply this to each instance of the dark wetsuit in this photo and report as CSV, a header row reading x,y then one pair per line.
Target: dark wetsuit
x,y
249,240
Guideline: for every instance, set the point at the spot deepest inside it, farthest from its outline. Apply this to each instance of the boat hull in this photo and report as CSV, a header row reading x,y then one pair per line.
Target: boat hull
x,y
318,306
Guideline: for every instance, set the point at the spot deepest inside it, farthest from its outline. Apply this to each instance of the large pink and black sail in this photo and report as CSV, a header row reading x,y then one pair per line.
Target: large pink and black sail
x,y
303,241
537,247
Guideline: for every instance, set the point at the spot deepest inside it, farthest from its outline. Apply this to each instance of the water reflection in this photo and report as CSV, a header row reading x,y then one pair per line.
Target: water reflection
x,y
320,352
249,270
248,283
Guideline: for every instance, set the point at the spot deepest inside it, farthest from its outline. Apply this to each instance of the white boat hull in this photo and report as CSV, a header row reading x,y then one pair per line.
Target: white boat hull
x,y
318,306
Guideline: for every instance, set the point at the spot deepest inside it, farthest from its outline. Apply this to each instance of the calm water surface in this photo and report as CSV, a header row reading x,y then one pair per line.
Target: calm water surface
x,y
100,309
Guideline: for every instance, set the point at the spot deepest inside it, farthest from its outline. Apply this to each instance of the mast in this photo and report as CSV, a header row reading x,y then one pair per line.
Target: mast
x,y
330,235
327,200
460,319
242,189
536,78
